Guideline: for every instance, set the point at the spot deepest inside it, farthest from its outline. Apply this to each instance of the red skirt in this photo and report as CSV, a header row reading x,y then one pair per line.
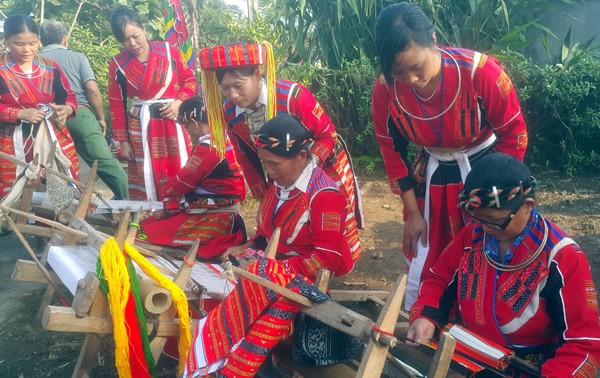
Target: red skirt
x,y
216,231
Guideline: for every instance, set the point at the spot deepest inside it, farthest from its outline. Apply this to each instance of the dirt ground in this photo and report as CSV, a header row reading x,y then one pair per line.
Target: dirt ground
x,y
28,351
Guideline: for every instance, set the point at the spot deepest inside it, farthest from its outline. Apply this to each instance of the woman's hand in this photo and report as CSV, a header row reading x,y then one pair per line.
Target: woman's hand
x,y
170,110
415,227
62,112
420,331
235,251
127,151
31,115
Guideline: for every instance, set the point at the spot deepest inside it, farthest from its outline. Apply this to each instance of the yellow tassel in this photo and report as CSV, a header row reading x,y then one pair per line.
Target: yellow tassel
x,y
117,277
214,107
271,81
179,299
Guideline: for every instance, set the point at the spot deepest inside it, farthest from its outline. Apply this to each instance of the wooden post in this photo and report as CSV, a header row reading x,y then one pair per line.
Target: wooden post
x,y
322,281
375,354
271,249
443,356
84,203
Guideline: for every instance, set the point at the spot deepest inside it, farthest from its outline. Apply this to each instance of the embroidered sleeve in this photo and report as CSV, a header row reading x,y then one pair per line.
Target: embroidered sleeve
x,y
9,114
502,108
327,224
392,144
117,100
438,289
185,75
201,162
304,105
573,306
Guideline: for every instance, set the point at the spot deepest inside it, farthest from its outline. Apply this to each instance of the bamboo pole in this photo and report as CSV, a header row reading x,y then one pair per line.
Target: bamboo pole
x,y
49,222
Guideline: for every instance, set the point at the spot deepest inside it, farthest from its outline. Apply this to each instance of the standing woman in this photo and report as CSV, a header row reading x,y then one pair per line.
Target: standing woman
x,y
234,72
456,105
35,102
156,80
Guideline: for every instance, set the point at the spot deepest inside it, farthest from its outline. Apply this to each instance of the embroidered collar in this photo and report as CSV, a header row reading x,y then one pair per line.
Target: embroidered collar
x,y
491,243
301,182
262,100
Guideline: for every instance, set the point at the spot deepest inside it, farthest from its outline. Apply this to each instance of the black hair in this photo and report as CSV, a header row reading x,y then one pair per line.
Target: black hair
x,y
52,32
17,24
121,17
397,27
510,176
239,73
193,108
284,135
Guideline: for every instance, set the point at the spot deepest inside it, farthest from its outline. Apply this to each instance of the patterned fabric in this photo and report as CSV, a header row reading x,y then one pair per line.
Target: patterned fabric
x,y
306,231
293,98
208,182
271,143
317,344
176,31
47,85
234,56
476,107
504,198
257,316
541,309
159,78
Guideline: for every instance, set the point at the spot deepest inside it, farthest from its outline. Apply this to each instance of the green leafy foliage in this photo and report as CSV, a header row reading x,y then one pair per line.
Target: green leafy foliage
x,y
570,54
346,96
561,106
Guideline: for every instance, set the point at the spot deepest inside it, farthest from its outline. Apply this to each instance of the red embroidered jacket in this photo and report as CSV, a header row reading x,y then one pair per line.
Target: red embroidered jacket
x,y
481,103
294,99
207,175
312,225
159,78
549,306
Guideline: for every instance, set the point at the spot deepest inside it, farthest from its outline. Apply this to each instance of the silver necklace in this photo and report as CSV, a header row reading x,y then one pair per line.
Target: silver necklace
x,y
425,99
31,75
512,268
442,112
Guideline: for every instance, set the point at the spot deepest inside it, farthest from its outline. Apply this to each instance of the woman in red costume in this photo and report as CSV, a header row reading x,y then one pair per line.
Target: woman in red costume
x,y
310,210
517,279
35,102
213,187
234,72
456,105
156,80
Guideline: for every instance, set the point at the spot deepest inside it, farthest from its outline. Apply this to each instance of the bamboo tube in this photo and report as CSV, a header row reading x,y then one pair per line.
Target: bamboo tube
x,y
156,299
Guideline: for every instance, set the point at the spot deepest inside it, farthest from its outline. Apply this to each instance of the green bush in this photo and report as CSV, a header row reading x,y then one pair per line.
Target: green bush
x,y
346,96
562,109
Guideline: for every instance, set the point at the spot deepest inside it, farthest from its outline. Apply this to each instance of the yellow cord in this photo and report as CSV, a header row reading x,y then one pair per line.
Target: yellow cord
x,y
117,278
214,107
271,81
179,299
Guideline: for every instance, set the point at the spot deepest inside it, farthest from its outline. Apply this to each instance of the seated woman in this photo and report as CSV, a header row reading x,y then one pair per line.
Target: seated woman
x,y
311,211
213,187
517,278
